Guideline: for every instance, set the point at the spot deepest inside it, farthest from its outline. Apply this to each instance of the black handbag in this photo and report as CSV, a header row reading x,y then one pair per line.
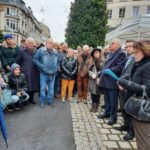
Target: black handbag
x,y
139,107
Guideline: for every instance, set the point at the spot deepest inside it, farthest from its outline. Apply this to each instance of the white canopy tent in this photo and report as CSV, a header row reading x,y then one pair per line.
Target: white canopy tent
x,y
136,29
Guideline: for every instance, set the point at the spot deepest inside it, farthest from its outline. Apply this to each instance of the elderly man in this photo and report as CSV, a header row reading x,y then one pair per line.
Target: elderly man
x,y
83,60
25,60
115,62
47,60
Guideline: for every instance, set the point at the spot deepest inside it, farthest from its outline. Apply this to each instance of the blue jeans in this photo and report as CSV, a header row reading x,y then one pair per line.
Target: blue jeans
x,y
111,102
47,83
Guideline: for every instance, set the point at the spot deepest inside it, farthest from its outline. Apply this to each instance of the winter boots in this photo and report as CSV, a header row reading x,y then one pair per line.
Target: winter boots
x,y
94,107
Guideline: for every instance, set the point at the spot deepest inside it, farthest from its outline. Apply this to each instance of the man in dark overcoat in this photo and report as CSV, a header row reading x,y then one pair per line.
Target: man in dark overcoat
x,y
115,62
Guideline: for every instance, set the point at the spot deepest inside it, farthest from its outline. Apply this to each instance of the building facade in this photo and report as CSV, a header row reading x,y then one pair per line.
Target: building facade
x,y
17,19
121,11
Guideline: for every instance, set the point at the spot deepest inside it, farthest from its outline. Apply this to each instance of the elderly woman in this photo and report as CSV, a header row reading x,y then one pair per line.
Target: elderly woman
x,y
25,60
140,75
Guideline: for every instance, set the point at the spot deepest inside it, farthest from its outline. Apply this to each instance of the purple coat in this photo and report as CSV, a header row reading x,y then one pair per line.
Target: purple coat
x,y
116,63
25,60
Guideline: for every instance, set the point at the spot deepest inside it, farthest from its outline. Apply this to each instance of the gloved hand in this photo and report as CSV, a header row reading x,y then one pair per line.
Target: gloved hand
x,y
93,76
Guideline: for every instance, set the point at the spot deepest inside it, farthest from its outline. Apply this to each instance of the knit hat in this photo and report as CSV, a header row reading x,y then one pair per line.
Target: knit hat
x,y
13,67
6,36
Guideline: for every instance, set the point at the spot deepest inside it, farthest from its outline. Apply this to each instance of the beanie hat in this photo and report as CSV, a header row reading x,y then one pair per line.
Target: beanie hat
x,y
13,67
6,36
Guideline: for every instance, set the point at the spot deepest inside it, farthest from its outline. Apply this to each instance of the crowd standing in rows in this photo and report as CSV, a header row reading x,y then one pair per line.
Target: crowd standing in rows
x,y
56,71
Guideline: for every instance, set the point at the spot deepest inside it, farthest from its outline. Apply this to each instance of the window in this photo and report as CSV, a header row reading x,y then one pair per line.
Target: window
x,y
122,12
148,10
7,22
109,14
13,12
7,11
11,24
136,11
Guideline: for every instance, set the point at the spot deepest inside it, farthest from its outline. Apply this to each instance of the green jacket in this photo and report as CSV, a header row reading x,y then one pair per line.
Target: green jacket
x,y
9,55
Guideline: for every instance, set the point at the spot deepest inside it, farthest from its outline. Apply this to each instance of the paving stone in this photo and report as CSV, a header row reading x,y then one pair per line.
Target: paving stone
x,y
91,133
106,126
105,137
87,148
124,145
134,145
111,144
114,137
99,125
98,120
93,143
79,148
105,131
95,148
85,143
113,131
101,121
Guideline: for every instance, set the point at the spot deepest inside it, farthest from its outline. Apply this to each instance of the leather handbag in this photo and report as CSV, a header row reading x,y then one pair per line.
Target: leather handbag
x,y
139,107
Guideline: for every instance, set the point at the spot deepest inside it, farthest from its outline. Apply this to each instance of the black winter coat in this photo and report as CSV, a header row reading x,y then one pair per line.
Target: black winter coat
x,y
69,68
139,75
17,84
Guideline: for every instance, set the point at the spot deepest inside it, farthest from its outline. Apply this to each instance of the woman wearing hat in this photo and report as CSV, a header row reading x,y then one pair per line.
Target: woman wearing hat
x,y
94,70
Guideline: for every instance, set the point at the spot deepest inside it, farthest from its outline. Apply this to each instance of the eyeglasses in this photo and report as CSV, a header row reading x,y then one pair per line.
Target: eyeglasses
x,y
128,46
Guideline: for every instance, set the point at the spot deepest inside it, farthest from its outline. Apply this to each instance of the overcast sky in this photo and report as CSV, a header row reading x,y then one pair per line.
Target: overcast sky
x,y
54,13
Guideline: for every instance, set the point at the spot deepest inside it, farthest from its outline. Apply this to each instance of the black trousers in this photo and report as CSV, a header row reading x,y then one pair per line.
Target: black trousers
x,y
127,118
31,96
95,98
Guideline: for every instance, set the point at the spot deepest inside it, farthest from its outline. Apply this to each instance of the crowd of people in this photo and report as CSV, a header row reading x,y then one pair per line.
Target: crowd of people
x,y
54,70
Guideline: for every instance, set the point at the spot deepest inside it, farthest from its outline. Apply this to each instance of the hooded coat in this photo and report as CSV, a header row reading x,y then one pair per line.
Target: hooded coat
x,y
16,83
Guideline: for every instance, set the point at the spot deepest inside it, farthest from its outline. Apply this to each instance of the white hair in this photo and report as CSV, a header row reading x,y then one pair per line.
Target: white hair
x,y
85,47
30,39
49,39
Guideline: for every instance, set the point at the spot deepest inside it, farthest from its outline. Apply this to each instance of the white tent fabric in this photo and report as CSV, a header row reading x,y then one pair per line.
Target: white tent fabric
x,y
137,29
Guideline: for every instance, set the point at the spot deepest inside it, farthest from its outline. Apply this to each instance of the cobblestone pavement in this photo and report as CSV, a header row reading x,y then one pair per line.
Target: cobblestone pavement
x,y
91,133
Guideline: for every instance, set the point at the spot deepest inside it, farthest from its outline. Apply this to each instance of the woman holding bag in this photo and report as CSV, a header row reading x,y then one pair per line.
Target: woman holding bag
x,y
139,76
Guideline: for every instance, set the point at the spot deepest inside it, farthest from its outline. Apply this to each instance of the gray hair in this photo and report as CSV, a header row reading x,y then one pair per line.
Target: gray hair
x,y
116,40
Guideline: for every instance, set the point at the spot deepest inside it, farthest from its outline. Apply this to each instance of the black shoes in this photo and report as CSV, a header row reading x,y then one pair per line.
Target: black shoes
x,y
121,128
111,122
129,136
33,102
101,116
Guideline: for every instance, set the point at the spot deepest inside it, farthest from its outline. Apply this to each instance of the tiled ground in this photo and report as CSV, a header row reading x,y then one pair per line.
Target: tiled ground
x,y
94,134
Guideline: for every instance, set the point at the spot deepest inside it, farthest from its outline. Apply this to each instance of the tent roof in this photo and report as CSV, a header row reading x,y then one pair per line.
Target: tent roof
x,y
138,28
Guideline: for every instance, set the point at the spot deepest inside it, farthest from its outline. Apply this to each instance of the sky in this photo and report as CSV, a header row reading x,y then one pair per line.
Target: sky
x,y
54,13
